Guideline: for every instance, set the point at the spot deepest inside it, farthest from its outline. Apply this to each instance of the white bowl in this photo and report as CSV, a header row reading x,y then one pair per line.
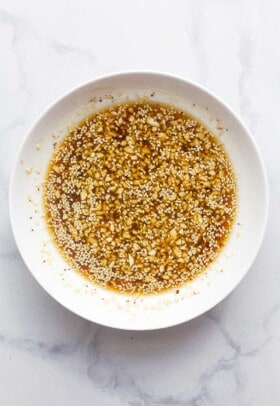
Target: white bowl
x,y
106,307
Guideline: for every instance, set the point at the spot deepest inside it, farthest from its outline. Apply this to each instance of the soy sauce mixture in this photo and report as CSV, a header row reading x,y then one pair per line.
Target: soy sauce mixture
x,y
140,198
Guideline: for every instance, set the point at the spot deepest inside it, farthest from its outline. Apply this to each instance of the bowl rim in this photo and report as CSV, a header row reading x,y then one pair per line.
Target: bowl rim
x,y
162,74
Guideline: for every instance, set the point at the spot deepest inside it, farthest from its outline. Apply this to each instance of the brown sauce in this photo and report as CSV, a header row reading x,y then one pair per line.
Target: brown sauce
x,y
140,198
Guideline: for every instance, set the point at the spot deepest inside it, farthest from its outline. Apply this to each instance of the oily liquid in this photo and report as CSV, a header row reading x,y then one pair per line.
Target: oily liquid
x,y
140,198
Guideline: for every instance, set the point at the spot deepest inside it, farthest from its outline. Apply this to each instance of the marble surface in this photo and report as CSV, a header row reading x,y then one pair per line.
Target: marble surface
x,y
230,355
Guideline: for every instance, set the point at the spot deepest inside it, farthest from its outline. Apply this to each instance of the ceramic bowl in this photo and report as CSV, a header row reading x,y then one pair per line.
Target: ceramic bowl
x,y
103,306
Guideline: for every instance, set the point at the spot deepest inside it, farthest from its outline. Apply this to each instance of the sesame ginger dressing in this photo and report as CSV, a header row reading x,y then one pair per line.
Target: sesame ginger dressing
x,y
140,198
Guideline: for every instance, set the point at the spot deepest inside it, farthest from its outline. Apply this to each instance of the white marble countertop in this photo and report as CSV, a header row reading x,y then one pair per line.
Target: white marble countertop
x,y
48,356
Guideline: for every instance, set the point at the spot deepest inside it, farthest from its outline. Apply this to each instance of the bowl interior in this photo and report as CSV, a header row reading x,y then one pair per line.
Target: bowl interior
x,y
75,292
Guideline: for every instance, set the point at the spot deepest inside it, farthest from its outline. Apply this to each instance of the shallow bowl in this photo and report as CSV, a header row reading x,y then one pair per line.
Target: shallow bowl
x,y
104,306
